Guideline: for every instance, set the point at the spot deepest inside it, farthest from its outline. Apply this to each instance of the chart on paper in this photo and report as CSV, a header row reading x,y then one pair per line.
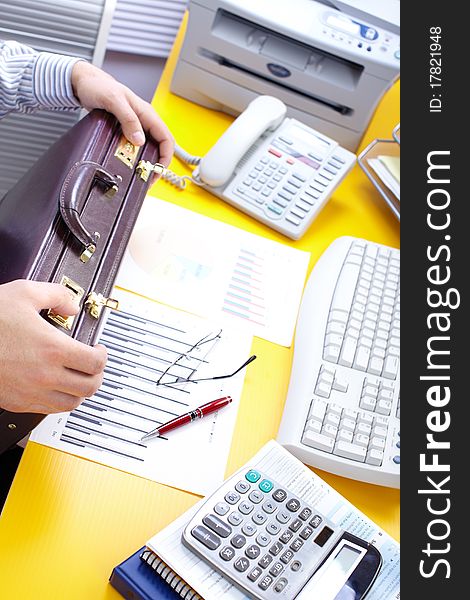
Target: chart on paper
x,y
206,267
156,355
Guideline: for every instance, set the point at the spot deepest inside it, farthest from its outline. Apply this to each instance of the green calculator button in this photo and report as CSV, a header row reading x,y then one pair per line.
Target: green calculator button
x,y
265,485
252,476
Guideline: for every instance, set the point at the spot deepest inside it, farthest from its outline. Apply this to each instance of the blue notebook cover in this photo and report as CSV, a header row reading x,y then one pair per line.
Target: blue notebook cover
x,y
135,580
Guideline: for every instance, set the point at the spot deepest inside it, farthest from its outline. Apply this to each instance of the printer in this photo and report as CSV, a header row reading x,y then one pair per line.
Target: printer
x,y
329,61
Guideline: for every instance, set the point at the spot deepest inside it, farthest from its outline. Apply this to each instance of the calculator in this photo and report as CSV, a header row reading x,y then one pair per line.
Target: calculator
x,y
272,545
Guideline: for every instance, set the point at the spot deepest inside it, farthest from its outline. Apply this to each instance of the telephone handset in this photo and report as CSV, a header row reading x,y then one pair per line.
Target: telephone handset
x,y
274,168
265,113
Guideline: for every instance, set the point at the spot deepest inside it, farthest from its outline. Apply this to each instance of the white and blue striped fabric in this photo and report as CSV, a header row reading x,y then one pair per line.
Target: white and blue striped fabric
x,y
31,80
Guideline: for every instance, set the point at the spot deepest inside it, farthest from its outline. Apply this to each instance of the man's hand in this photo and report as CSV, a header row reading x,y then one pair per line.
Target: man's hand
x,y
42,369
96,89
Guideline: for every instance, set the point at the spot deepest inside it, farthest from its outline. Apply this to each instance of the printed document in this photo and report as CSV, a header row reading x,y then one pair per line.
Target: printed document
x,y
206,267
283,467
152,351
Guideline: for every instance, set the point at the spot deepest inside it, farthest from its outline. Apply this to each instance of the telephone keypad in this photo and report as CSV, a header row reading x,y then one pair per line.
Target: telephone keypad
x,y
285,192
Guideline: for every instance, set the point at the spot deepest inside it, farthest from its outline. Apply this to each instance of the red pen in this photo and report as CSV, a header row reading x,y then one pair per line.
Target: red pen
x,y
196,413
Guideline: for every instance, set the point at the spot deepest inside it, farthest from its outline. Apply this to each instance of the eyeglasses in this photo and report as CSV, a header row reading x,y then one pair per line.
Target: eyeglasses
x,y
194,357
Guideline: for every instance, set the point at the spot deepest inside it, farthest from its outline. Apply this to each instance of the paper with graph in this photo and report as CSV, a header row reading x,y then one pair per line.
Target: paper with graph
x,y
209,268
151,346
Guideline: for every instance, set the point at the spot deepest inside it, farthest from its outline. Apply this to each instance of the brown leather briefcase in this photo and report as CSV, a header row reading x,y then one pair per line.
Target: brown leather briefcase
x,y
68,220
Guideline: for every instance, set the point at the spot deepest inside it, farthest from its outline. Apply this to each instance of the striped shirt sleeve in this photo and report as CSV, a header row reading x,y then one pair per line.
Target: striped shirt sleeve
x,y
31,80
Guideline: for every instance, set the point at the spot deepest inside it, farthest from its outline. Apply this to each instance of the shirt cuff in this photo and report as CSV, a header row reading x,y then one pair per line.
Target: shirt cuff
x,y
52,79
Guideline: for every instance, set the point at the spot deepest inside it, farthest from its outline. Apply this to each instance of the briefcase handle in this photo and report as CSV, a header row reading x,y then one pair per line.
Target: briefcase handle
x,y
75,189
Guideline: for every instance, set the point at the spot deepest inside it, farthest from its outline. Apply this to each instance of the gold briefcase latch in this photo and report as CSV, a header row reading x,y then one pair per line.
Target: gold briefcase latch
x,y
145,168
95,303
78,292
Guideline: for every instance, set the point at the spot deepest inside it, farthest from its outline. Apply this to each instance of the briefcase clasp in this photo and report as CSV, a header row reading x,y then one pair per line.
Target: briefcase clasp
x,y
95,303
78,292
145,168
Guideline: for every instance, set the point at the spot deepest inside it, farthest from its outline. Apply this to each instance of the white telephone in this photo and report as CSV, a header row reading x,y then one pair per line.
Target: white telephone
x,y
273,168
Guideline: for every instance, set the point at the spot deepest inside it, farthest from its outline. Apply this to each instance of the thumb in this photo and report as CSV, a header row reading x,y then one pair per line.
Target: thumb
x,y
54,296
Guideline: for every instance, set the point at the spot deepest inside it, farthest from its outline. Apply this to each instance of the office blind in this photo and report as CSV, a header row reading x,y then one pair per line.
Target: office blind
x,y
71,27
146,27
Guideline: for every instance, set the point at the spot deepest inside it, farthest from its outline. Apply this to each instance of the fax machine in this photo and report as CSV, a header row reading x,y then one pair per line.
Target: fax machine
x,y
329,66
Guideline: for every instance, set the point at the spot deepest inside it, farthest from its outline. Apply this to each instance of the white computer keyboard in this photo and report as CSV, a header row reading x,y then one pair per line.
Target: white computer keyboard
x,y
342,412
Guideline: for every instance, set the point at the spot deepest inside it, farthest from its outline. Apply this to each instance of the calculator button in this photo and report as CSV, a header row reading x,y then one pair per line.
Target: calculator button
x,y
245,507
259,167
235,518
259,517
263,539
241,564
206,537
277,178
265,582
296,565
305,513
282,170
306,532
256,187
264,160
315,521
287,556
330,170
227,553
279,495
265,486
265,561
276,548
295,525
325,176
269,507
221,508
283,517
253,174
268,172
340,160
275,152
256,497
247,182
296,545
293,505
253,551
273,528
232,497
294,184
243,487
286,536
271,185
274,165
238,540
280,585
276,569
308,199
254,574
249,529
300,177
252,476
217,525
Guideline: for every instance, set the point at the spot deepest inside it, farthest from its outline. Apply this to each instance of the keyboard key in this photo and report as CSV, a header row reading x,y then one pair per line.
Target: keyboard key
x,y
352,451
374,457
318,441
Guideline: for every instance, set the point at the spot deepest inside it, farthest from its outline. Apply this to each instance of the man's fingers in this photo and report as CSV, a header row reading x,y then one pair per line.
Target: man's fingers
x,y
47,295
84,359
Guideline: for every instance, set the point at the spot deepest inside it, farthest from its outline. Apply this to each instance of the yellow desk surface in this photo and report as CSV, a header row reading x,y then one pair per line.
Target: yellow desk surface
x,y
67,521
